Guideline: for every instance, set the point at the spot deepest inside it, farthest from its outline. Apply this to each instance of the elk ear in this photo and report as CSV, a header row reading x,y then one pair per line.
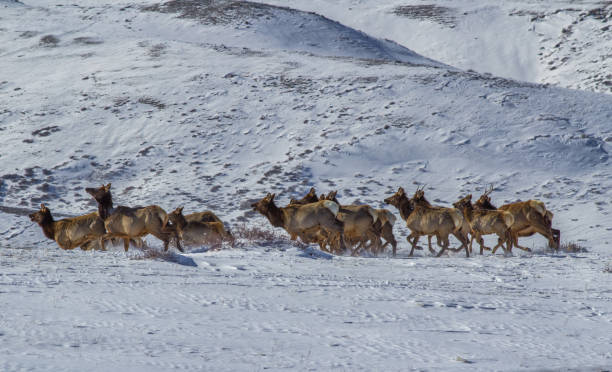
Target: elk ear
x,y
42,206
272,197
401,191
108,186
180,209
469,197
312,191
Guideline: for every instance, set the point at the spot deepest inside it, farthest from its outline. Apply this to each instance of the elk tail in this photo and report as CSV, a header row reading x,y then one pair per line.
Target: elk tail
x,y
333,207
457,218
373,213
508,219
390,217
538,206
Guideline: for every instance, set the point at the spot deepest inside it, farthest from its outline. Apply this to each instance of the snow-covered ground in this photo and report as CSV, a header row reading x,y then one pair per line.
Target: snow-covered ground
x,y
212,104
286,310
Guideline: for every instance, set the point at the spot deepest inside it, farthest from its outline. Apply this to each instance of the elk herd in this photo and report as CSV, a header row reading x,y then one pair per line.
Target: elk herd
x,y
337,228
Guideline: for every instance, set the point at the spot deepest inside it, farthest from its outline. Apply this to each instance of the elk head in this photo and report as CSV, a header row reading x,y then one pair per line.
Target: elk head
x,y
103,197
176,217
332,196
396,198
464,202
263,206
419,194
44,214
311,197
99,193
484,202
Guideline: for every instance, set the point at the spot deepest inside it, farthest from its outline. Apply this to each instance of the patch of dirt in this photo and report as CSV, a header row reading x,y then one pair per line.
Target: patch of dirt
x,y
213,12
87,40
28,34
439,14
152,101
157,50
49,41
46,131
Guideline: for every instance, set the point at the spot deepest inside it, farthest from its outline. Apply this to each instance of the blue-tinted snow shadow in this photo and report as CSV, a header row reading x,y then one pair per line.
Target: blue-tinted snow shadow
x,y
179,259
313,253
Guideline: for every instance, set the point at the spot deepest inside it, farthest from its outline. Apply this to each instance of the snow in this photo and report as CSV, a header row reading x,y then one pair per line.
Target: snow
x,y
564,43
284,309
211,107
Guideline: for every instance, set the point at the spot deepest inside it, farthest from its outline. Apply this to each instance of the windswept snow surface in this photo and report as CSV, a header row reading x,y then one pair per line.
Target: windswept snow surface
x,y
210,105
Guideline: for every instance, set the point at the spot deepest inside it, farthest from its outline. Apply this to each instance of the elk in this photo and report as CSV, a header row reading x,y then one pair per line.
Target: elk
x,y
311,197
485,221
422,219
208,216
315,235
530,217
194,232
360,224
461,234
387,220
127,222
303,221
70,233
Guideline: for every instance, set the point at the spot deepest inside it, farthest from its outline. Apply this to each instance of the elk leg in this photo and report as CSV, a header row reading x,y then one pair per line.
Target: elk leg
x,y
444,246
431,250
387,233
516,244
480,241
101,243
413,242
500,241
462,239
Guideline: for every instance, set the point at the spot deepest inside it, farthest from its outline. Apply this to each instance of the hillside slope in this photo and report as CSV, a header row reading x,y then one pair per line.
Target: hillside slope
x,y
180,110
210,105
565,43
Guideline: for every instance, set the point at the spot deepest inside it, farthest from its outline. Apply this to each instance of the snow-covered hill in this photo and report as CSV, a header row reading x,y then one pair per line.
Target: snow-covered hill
x,y
565,43
211,104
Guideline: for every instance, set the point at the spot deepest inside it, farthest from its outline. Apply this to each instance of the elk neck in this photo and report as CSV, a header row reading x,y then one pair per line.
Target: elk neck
x,y
105,206
404,207
48,226
275,215
468,211
181,222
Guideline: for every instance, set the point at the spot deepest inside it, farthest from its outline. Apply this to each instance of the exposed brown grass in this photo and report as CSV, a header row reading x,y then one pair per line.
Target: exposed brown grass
x,y
149,253
256,235
572,247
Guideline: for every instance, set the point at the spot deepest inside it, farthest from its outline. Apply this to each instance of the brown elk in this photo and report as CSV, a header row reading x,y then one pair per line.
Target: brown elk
x,y
530,217
361,225
461,234
311,197
70,233
126,222
194,232
485,221
302,221
387,220
208,216
426,220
